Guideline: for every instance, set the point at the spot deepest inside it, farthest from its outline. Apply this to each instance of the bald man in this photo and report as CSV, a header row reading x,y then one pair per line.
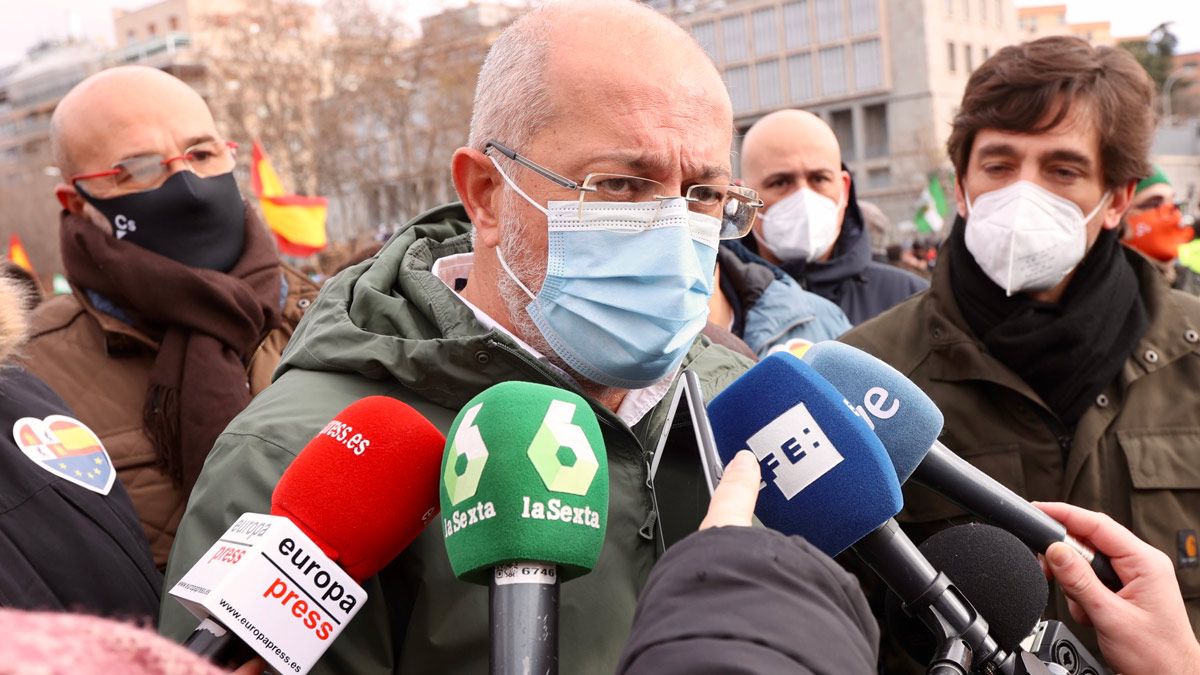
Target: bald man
x,y
811,225
595,189
181,306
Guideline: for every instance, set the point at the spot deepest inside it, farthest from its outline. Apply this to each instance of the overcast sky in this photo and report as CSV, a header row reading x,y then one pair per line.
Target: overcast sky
x,y
24,23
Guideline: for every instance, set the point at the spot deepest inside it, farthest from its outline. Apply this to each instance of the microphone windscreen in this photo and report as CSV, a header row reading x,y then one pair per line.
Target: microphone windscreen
x,y
524,478
826,477
905,418
366,485
996,572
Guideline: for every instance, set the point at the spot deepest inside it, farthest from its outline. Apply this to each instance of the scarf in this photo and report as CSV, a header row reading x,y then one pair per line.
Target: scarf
x,y
1066,352
209,325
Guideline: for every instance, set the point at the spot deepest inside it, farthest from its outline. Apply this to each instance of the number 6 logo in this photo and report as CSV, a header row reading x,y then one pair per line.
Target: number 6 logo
x,y
561,453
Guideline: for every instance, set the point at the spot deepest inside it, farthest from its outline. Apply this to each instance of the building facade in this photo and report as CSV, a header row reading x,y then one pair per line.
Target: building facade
x,y
886,76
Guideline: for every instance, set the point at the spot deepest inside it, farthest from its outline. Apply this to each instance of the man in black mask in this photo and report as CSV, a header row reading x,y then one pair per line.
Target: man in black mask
x,y
181,305
1065,365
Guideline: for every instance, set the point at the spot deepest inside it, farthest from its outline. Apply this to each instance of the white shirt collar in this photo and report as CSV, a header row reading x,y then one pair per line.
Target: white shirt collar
x,y
637,403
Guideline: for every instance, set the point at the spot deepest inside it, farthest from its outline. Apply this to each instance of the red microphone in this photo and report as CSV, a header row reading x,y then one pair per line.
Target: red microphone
x,y
362,490
366,485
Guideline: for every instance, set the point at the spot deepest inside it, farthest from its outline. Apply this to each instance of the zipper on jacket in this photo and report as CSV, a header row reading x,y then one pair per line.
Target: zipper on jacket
x,y
1062,434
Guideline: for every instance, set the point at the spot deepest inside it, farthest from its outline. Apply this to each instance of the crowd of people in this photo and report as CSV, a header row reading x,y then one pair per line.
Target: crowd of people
x,y
601,244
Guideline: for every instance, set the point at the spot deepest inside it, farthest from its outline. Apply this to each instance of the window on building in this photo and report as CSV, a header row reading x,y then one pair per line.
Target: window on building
x,y
970,58
796,24
875,131
766,31
878,179
151,29
130,35
864,16
987,54
829,20
173,22
769,84
966,9
950,56
800,78
738,82
868,65
842,122
706,34
949,8
833,70
734,38
1000,13
983,11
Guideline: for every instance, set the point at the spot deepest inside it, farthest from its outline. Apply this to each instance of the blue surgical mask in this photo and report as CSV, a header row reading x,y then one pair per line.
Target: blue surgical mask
x,y
627,286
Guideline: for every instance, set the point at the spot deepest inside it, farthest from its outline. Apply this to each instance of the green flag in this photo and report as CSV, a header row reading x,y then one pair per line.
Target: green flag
x,y
931,207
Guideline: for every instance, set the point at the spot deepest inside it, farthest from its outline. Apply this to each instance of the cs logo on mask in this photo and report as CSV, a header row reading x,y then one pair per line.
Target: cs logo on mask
x,y
793,451
124,225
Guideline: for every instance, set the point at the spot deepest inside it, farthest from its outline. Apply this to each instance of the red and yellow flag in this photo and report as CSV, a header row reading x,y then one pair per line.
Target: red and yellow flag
x,y
297,221
18,255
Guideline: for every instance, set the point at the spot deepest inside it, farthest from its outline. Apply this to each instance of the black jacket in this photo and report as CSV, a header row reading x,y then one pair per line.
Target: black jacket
x,y
63,546
850,279
733,600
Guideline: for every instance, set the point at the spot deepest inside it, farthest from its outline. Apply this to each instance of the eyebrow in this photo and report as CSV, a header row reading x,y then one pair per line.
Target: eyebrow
x,y
641,163
194,140
1063,155
997,150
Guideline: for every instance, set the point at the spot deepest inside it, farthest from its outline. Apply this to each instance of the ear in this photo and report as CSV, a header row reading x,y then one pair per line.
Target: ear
x,y
69,198
845,201
1122,197
479,187
960,200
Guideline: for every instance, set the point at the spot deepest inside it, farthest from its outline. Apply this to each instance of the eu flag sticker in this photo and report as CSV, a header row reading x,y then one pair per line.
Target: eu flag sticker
x,y
66,448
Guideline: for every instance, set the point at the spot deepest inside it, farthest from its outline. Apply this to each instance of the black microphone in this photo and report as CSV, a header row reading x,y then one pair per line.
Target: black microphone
x,y
996,573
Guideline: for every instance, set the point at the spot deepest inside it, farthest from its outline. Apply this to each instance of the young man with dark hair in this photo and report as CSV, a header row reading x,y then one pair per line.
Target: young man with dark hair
x,y
1065,365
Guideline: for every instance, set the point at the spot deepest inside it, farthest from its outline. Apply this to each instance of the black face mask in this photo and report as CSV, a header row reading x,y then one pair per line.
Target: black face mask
x,y
200,222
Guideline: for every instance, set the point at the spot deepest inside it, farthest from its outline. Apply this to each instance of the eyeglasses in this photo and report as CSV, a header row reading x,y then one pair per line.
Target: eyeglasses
x,y
735,206
146,172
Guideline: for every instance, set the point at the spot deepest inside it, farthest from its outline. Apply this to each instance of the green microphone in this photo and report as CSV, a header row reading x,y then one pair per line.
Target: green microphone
x,y
524,494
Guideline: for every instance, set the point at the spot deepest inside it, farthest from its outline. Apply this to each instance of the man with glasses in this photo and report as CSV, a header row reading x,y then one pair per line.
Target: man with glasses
x,y
181,306
595,190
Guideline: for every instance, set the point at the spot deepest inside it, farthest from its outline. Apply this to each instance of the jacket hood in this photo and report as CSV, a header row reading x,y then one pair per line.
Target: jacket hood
x,y
14,319
390,318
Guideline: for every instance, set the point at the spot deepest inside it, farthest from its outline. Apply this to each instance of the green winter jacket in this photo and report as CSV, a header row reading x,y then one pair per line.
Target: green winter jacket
x,y
388,326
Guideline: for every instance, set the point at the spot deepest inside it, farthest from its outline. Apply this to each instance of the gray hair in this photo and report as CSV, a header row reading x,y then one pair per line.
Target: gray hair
x,y
511,99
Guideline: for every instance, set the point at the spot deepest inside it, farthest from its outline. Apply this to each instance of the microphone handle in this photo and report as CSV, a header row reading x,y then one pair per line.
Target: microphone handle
x,y
212,641
961,482
524,621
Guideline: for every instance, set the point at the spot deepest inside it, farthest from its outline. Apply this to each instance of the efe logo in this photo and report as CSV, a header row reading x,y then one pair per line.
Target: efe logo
x,y
793,451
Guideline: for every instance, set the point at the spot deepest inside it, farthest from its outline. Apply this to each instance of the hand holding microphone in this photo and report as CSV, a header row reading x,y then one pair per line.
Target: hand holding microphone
x,y
1143,628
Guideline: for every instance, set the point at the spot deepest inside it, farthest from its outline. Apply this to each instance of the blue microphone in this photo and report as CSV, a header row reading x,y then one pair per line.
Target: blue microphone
x,y
828,478
909,423
813,451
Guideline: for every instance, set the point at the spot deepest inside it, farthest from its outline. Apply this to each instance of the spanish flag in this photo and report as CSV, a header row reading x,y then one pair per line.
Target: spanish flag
x,y
19,256
297,221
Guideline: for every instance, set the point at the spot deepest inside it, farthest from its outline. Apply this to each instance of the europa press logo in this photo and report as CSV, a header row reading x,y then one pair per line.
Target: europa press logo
x,y
470,454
